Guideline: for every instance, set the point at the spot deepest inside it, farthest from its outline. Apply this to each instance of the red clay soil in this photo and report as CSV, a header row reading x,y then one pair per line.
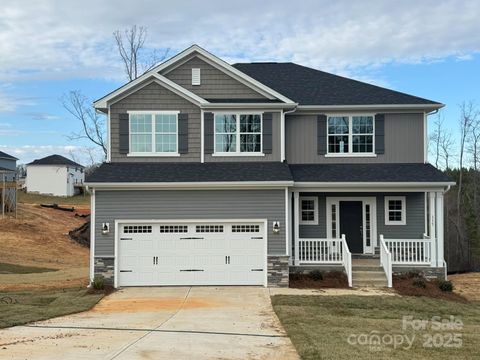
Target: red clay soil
x,y
404,285
332,279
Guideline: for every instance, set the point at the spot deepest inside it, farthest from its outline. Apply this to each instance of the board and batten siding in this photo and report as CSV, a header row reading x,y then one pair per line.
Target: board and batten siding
x,y
276,151
188,205
156,98
214,84
415,206
404,140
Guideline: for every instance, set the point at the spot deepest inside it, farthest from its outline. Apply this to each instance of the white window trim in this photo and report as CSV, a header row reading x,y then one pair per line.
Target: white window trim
x,y
404,210
237,134
153,152
315,210
350,152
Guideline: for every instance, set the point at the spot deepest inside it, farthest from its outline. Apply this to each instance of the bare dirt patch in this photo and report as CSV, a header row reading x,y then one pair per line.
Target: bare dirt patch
x,y
39,237
467,285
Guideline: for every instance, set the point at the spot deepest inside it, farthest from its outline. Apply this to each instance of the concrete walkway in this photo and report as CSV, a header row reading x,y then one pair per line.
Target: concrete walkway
x,y
159,323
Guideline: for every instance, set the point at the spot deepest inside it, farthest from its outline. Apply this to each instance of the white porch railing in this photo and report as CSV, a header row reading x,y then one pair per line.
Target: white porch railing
x,y
347,260
326,251
410,251
386,260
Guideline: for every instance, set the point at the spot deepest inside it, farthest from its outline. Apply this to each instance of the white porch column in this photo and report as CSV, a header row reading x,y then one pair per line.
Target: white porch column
x,y
431,228
296,217
439,229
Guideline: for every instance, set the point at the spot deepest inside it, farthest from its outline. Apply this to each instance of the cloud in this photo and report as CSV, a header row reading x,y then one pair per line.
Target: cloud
x,y
9,103
59,39
42,116
28,153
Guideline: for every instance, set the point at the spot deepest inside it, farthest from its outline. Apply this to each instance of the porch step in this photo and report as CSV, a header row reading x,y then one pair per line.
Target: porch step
x,y
367,272
364,256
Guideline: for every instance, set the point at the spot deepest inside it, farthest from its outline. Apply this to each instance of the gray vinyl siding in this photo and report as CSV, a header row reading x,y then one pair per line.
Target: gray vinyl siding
x,y
274,156
189,204
215,84
414,228
404,140
8,164
156,97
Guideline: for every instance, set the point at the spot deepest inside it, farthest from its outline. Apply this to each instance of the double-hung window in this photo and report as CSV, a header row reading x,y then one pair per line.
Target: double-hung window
x,y
154,133
350,134
238,134
395,211
308,210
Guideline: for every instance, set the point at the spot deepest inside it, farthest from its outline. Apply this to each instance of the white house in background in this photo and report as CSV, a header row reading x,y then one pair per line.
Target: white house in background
x,y
55,175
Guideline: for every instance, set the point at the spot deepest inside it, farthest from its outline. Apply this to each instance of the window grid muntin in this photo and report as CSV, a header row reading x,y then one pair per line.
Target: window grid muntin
x,y
209,228
357,138
173,229
244,138
367,225
395,210
334,221
165,126
243,228
141,133
137,229
308,207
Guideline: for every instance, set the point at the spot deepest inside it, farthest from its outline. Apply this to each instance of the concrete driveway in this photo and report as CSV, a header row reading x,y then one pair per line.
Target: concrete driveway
x,y
159,323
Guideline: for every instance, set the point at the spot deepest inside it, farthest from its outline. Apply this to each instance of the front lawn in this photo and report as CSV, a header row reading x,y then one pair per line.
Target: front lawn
x,y
347,327
20,269
21,307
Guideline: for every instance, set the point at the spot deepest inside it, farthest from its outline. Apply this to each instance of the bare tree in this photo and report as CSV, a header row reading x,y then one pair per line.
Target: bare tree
x,y
447,145
131,48
436,139
93,124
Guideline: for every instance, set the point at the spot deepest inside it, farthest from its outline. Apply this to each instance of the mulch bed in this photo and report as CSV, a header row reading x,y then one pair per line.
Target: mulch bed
x,y
404,285
331,279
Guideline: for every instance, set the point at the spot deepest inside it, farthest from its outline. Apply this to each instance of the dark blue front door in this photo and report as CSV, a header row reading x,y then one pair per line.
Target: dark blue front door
x,y
351,220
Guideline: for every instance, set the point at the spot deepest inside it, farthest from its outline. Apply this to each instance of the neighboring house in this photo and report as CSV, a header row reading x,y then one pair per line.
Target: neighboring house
x,y
8,169
55,175
223,174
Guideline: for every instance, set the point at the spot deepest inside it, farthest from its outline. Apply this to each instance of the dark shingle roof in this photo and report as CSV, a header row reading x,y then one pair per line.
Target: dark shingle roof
x,y
309,86
190,172
55,160
367,173
7,156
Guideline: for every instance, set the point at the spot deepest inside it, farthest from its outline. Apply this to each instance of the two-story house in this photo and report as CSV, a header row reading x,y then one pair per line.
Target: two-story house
x,y
222,174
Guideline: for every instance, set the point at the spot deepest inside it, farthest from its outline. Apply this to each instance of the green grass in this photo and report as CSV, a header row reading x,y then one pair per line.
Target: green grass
x,y
21,307
27,198
20,269
320,326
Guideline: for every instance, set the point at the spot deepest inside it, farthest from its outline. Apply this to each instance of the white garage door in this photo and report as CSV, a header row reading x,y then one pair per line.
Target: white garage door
x,y
191,254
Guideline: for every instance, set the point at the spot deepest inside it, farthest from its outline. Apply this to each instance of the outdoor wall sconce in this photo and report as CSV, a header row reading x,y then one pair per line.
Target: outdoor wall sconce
x,y
276,227
105,228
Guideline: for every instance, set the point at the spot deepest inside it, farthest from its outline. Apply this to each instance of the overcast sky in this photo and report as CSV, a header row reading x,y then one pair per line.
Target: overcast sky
x,y
427,48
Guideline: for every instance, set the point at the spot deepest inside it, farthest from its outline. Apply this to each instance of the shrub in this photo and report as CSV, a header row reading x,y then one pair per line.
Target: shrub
x,y
98,283
419,282
445,285
413,275
316,275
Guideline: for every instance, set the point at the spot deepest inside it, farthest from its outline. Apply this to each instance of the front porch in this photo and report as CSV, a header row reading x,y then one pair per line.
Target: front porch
x,y
397,230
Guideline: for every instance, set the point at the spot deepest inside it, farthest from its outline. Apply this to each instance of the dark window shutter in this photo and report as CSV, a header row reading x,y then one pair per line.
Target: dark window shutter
x,y
321,134
380,134
124,128
267,133
183,133
208,132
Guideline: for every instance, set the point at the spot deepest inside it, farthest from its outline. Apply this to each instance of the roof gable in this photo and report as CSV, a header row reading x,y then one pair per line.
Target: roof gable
x,y
309,86
4,155
55,160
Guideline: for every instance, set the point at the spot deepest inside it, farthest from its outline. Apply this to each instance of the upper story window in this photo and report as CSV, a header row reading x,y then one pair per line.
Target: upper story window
x,y
154,133
350,134
238,134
